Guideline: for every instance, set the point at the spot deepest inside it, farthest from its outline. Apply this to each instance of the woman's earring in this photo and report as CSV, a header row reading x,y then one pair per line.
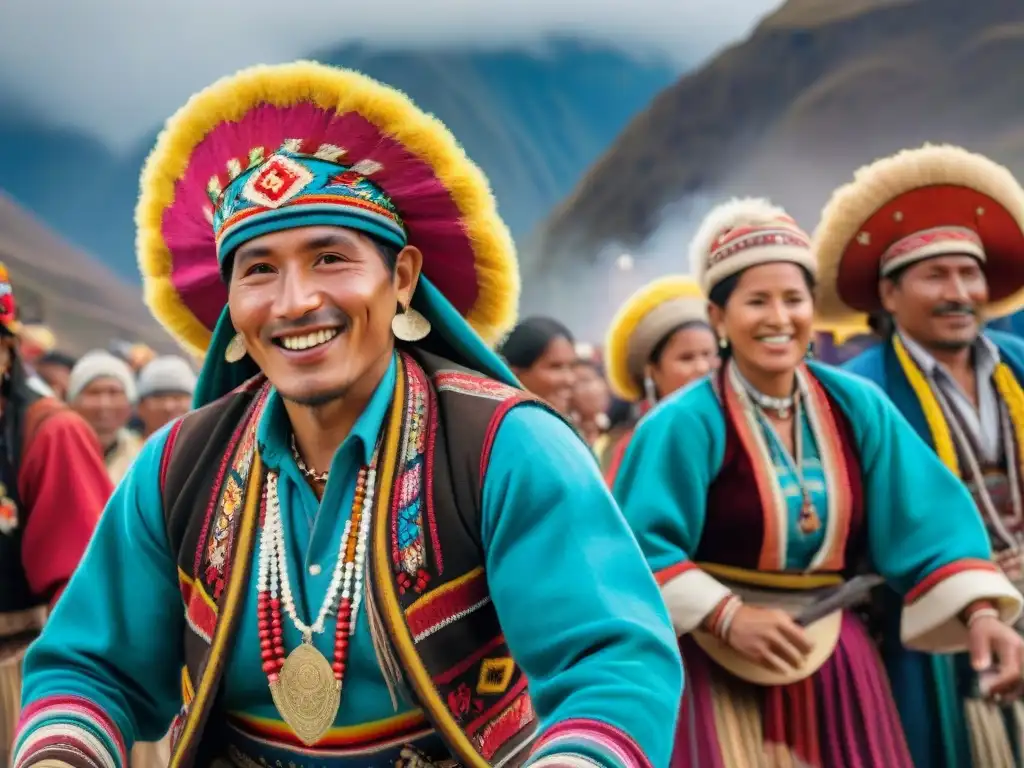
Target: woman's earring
x,y
410,325
235,349
650,391
723,342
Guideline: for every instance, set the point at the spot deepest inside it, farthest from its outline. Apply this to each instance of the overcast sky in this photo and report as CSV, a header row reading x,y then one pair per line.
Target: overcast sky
x,y
118,67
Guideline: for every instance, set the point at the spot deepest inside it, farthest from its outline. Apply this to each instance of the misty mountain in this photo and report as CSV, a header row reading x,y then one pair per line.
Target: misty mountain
x,y
819,88
533,120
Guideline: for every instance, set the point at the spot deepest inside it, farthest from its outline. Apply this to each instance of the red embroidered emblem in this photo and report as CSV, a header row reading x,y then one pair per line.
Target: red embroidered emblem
x,y
462,704
460,700
279,180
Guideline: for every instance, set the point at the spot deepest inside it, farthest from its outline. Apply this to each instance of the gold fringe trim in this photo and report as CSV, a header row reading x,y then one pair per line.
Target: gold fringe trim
x,y
624,324
338,90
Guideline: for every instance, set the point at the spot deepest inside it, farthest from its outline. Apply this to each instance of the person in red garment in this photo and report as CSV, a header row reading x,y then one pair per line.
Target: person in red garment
x,y
53,486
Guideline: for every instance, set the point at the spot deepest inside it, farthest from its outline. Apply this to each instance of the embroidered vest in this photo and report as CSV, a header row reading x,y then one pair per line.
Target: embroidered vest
x,y
26,410
426,585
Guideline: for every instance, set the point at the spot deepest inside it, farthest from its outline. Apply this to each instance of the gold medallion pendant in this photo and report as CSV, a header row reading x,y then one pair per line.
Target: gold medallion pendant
x,y
306,694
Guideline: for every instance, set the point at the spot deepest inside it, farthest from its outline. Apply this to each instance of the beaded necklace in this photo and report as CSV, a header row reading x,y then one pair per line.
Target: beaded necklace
x,y
312,474
305,687
809,521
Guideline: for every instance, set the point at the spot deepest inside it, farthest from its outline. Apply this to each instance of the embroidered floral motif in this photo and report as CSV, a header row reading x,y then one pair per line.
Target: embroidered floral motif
x,y
217,551
460,700
462,704
469,384
507,724
410,536
232,493
408,544
229,503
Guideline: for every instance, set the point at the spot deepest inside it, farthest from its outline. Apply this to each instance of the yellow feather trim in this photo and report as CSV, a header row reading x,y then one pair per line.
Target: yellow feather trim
x,y
342,91
624,324
942,438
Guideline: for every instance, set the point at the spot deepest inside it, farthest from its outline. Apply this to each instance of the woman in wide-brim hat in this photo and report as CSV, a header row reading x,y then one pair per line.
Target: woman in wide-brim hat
x,y
759,490
657,343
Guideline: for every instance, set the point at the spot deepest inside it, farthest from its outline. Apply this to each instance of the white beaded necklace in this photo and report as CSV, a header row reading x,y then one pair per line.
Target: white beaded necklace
x,y
780,405
346,579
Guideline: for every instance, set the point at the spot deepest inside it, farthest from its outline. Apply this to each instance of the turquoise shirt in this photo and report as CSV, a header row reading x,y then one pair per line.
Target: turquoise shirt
x,y
801,547
607,653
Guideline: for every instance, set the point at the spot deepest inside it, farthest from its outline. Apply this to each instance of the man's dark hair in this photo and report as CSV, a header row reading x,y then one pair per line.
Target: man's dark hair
x,y
388,252
530,339
881,324
56,357
659,349
719,295
897,274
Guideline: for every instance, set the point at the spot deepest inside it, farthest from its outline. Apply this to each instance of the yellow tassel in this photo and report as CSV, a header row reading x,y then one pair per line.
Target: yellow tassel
x,y
942,438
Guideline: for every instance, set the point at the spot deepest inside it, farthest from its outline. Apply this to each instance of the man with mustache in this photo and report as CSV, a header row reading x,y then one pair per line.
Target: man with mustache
x,y
934,238
368,546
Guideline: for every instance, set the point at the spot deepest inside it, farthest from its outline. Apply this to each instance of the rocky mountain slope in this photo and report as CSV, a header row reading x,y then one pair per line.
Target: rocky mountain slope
x,y
818,89
82,300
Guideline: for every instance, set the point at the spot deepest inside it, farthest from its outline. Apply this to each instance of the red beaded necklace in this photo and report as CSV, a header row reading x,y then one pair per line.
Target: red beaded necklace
x,y
301,681
269,608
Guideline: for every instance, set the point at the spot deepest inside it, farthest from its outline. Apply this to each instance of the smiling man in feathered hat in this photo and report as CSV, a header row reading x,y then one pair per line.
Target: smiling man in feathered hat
x,y
368,539
934,238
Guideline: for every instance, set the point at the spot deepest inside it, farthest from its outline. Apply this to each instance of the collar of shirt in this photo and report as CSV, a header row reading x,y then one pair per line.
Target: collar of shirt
x,y
986,357
274,432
